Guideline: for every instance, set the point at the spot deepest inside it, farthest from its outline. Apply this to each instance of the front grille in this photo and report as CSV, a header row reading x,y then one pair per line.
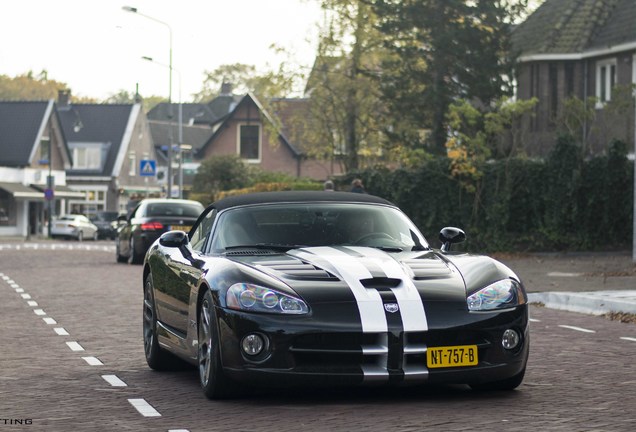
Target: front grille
x,y
342,352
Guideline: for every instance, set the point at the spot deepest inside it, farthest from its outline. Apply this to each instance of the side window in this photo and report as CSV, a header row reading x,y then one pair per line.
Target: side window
x,y
201,232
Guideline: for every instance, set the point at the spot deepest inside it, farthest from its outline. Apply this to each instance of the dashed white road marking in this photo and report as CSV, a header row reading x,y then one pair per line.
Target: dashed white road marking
x,y
631,339
32,303
144,408
114,381
93,361
178,430
39,312
19,290
74,346
577,328
26,296
533,320
61,331
49,320
564,274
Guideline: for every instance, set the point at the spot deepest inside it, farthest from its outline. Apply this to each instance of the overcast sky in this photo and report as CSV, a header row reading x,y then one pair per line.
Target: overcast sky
x,y
96,47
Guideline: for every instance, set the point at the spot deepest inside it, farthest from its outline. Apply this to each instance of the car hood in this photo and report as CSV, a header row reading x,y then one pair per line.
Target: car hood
x,y
327,274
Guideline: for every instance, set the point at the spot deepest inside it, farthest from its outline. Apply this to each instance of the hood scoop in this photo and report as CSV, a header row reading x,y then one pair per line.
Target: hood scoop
x,y
380,283
296,269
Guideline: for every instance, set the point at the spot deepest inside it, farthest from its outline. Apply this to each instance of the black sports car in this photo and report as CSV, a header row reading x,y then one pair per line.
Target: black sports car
x,y
149,219
328,288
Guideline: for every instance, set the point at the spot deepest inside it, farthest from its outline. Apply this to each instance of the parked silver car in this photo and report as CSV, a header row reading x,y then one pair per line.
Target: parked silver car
x,y
74,226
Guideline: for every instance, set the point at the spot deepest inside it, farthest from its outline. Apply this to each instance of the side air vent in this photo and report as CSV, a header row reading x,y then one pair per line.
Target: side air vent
x,y
251,252
428,268
297,269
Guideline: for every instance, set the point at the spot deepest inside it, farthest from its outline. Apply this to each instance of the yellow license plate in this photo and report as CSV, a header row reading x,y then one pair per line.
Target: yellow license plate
x,y
185,228
451,356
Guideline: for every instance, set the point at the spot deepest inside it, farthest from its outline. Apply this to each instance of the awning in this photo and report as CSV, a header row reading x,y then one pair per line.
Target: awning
x,y
20,191
60,191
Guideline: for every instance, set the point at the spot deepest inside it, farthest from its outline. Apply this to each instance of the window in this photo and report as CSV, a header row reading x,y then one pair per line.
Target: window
x,y
94,201
45,150
250,142
605,80
87,157
132,163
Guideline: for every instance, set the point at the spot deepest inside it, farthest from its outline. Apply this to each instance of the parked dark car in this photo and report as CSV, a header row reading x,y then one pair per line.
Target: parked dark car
x,y
106,222
326,289
151,218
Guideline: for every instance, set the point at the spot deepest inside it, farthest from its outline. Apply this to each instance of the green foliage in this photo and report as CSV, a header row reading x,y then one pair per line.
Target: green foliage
x,y
220,173
441,51
562,203
220,176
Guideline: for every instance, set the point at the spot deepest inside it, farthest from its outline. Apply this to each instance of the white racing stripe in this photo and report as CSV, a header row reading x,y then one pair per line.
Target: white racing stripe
x,y
351,270
408,298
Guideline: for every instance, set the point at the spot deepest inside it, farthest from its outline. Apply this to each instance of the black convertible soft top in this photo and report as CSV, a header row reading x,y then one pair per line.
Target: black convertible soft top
x,y
297,196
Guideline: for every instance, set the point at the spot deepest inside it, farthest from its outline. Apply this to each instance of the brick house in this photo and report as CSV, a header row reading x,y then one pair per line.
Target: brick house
x,y
582,49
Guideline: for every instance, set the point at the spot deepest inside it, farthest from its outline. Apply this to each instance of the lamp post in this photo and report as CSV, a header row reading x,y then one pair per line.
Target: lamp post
x,y
179,123
135,11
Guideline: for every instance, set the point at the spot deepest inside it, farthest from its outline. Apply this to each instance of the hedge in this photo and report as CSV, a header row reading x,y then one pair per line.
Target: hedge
x,y
564,202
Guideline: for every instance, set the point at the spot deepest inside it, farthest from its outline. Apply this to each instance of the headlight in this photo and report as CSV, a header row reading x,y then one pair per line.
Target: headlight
x,y
504,294
255,298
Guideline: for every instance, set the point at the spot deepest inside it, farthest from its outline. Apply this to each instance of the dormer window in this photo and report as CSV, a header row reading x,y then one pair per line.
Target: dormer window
x,y
88,156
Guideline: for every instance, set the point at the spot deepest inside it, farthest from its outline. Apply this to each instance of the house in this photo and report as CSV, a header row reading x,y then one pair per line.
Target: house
x,y
109,145
582,49
33,160
261,137
187,127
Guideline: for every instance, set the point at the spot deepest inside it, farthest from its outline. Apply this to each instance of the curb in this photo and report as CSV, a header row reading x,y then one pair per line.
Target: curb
x,y
594,303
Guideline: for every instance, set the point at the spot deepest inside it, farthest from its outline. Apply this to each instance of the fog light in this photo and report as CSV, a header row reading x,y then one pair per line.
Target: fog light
x,y
510,339
252,344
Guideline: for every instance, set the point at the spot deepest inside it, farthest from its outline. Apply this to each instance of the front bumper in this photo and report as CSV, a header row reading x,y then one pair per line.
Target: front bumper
x,y
300,351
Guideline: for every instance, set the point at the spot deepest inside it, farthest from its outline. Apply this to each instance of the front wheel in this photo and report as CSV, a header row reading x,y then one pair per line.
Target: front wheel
x,y
213,381
156,357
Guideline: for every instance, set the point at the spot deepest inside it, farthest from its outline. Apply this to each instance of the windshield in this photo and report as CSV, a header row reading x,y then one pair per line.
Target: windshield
x,y
316,224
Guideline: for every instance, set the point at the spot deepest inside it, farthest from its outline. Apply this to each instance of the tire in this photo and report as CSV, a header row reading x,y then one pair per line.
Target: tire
x,y
156,357
120,258
507,384
213,381
80,236
134,258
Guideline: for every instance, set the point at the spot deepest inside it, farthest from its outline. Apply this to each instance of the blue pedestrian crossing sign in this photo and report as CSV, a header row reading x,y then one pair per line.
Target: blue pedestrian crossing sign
x,y
148,168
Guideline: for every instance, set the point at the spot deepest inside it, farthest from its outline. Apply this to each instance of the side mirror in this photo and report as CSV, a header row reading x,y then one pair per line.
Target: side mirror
x,y
450,235
174,239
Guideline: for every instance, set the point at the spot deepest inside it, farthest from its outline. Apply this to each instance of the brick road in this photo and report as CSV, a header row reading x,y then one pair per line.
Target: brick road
x,y
581,371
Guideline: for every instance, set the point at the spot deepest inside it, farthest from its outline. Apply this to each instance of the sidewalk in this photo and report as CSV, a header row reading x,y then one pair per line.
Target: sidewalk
x,y
593,283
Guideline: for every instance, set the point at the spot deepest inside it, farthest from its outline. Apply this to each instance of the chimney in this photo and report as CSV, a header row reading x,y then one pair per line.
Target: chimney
x,y
226,89
63,98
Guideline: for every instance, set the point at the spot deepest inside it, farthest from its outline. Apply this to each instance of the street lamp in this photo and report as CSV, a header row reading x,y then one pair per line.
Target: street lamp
x,y
180,124
135,11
